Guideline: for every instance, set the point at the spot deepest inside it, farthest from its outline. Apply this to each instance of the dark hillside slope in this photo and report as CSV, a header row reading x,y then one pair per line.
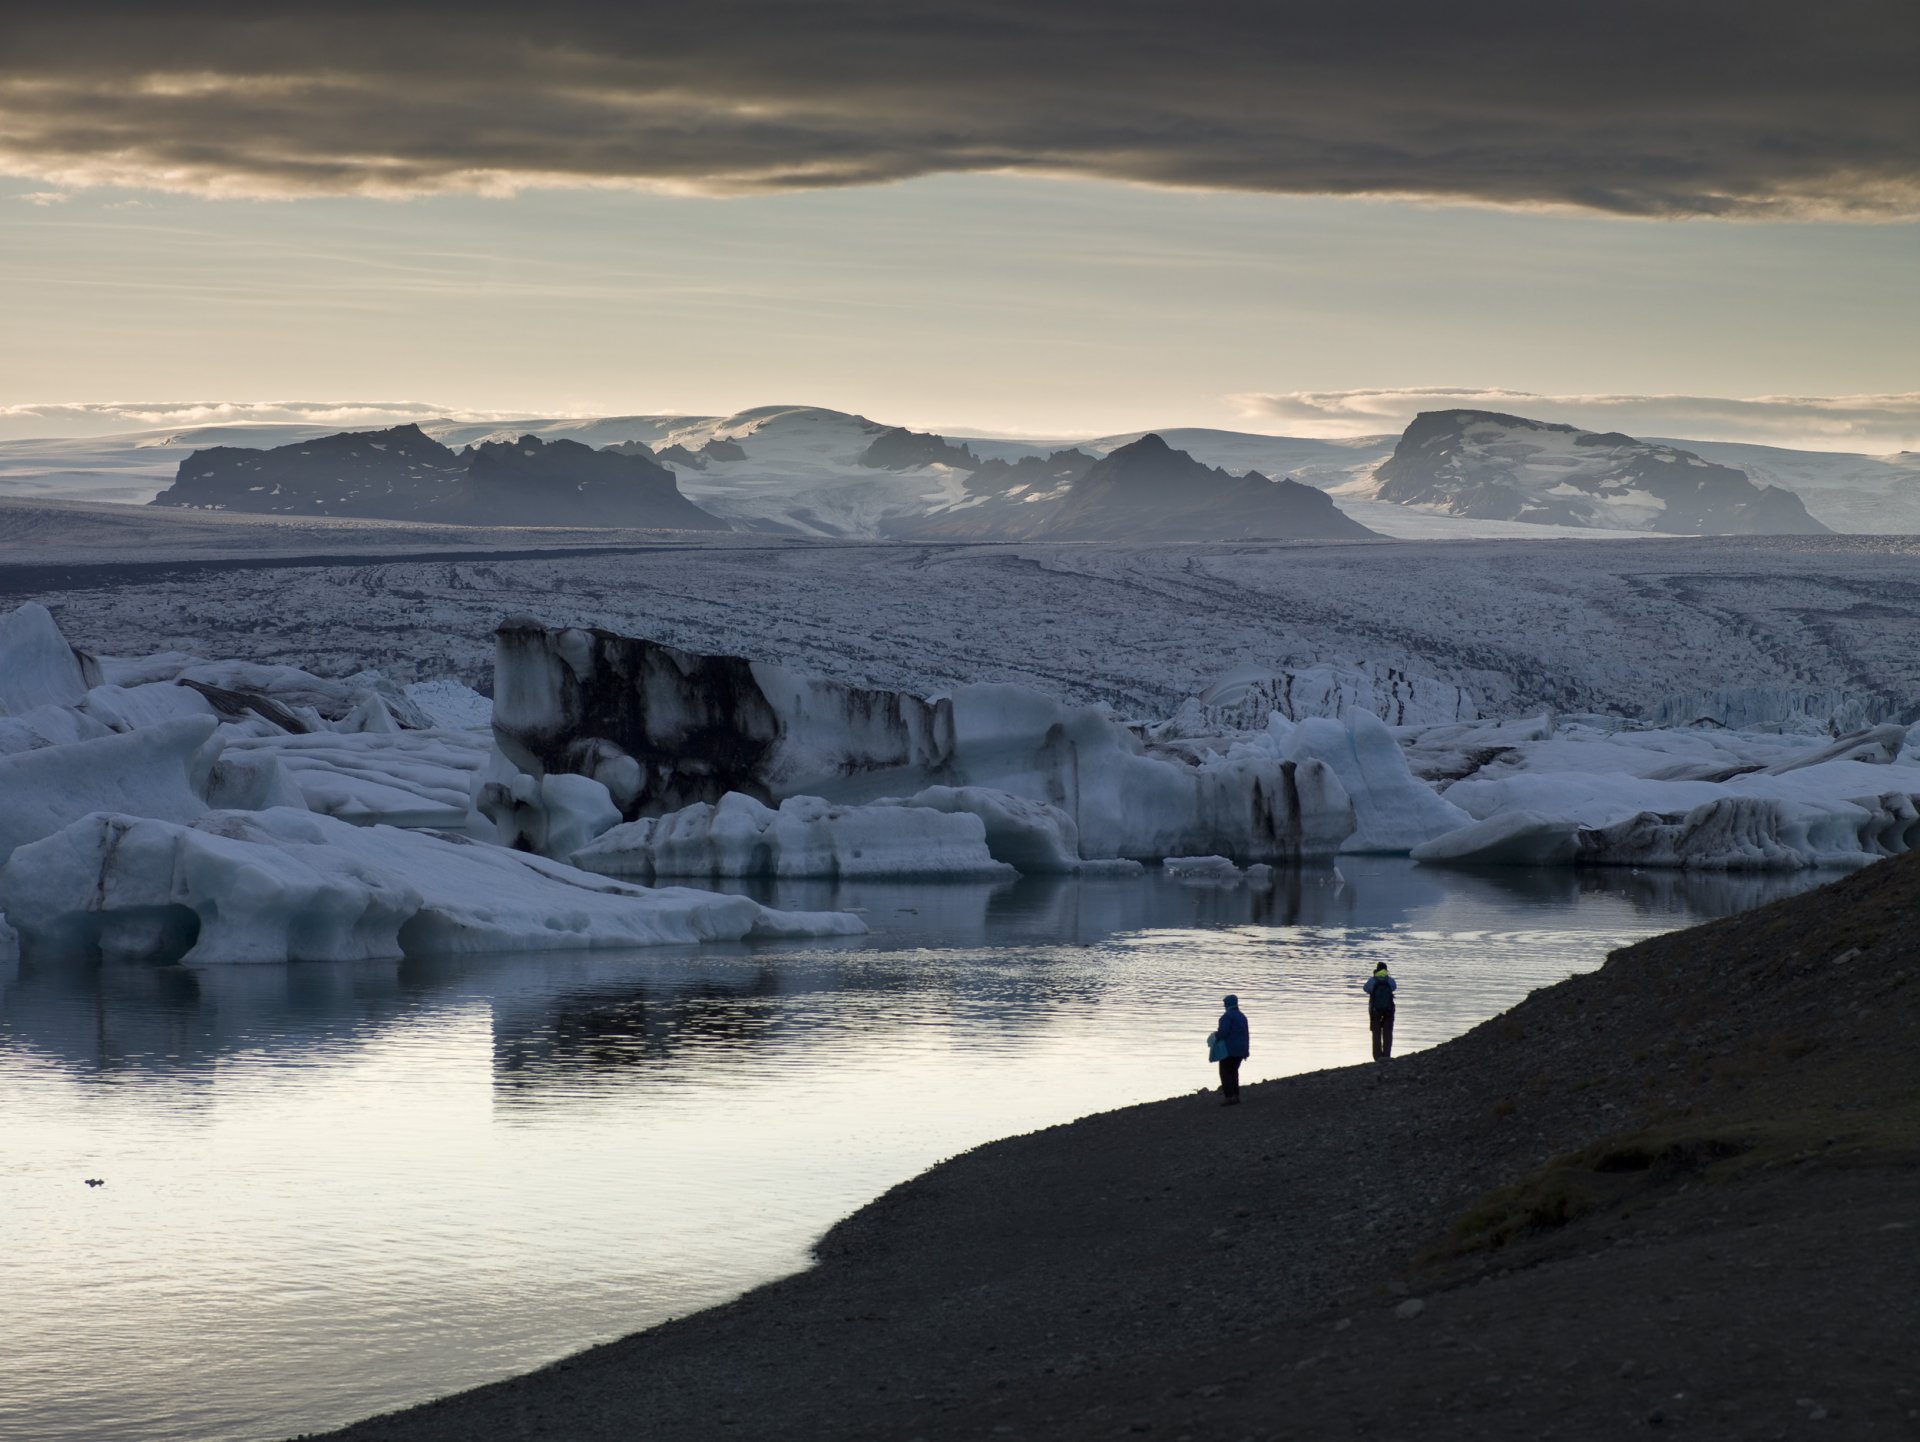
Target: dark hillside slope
x,y
402,474
1149,490
1676,1194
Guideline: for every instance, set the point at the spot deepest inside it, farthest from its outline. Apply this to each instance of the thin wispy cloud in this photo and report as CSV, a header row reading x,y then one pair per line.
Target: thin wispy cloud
x,y
1738,108
43,198
89,418
1871,423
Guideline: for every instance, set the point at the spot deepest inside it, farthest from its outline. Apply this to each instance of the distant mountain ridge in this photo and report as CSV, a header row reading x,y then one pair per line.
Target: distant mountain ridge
x,y
404,474
808,470
1492,466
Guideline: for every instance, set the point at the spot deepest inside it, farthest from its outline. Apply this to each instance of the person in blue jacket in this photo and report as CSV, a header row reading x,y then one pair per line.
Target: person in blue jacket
x,y
1232,1046
1379,989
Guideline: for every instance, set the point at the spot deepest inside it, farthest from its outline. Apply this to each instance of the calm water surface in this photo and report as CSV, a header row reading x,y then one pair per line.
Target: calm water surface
x,y
332,1190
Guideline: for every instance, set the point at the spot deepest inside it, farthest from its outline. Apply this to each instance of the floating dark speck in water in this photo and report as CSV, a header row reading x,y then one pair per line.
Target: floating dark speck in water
x,y
96,1181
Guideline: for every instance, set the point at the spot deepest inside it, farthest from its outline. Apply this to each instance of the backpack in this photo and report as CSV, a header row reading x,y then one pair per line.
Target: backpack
x,y
1381,997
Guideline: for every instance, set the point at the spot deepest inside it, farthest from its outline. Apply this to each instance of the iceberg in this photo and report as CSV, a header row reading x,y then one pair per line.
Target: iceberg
x,y
37,666
805,838
161,771
1759,833
1032,837
398,778
1393,810
1513,838
287,885
665,729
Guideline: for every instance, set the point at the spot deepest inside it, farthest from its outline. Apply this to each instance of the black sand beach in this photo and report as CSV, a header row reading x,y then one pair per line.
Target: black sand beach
x,y
1675,1195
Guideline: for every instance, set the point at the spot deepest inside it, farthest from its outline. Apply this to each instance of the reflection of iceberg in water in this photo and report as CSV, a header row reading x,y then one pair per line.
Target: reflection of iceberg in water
x,y
997,957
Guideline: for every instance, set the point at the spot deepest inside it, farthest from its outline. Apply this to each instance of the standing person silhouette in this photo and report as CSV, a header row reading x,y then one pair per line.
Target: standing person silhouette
x,y
1231,1046
1380,989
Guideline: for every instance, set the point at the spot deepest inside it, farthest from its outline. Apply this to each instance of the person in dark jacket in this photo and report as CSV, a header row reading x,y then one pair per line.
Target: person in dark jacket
x,y
1235,1047
1379,989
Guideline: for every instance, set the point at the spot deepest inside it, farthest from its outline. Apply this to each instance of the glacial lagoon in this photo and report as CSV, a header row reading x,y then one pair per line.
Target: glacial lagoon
x,y
330,1190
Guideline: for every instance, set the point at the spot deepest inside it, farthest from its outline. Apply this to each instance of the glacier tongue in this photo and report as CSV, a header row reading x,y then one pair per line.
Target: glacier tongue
x,y
1242,699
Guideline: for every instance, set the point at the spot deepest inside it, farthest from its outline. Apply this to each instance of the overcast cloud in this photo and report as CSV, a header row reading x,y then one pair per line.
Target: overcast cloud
x,y
1749,108
1873,424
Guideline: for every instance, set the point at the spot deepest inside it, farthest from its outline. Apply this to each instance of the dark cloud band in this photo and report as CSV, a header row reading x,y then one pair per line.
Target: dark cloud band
x,y
1649,107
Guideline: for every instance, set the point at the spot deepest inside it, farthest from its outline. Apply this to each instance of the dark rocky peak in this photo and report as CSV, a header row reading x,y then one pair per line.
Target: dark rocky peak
x,y
403,474
632,448
568,462
1046,472
1148,490
678,455
718,449
900,449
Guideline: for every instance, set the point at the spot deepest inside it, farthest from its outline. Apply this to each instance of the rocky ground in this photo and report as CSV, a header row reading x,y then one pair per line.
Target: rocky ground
x,y
1677,1195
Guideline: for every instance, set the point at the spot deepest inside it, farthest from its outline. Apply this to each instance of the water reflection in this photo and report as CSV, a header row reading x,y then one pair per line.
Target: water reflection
x,y
617,1011
401,1178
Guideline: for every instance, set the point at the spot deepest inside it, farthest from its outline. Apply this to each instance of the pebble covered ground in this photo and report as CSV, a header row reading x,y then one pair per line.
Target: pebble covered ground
x,y
1674,1196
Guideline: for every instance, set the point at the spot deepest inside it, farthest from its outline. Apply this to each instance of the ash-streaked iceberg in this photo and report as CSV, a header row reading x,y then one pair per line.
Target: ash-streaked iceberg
x,y
664,729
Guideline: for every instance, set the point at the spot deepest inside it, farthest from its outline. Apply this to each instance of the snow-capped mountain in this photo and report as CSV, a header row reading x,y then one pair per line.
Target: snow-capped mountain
x,y
1844,491
403,474
1140,491
1500,467
810,470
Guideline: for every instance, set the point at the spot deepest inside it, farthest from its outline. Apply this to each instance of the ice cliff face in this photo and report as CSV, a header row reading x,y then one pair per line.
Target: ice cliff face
x,y
1489,466
403,474
664,729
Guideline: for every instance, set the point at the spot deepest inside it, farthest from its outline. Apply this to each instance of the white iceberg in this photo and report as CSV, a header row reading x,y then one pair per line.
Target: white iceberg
x,y
1393,810
805,837
287,885
37,666
161,771
396,778
1032,837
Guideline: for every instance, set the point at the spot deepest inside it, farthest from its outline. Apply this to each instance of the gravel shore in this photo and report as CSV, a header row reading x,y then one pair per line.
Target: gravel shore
x,y
1676,1194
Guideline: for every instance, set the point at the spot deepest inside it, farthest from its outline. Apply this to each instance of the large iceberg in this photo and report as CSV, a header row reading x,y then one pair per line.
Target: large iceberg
x,y
1705,801
664,729
288,885
805,837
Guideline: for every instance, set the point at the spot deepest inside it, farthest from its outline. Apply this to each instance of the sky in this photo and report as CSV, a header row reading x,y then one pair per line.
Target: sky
x,y
1051,219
